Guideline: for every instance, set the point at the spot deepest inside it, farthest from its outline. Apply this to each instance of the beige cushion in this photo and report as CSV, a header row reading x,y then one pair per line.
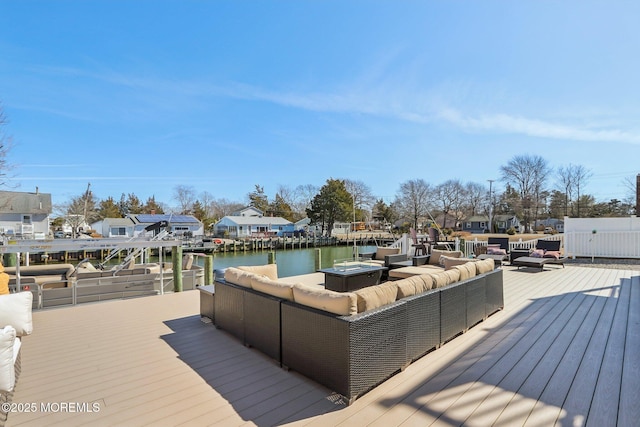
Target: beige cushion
x,y
382,252
269,270
310,279
484,266
414,285
449,262
187,262
467,270
376,296
15,311
9,346
434,259
404,272
238,277
273,287
445,278
341,303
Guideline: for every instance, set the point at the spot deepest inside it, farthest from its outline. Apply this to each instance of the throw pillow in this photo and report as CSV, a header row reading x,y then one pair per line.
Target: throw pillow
x,y
552,254
537,253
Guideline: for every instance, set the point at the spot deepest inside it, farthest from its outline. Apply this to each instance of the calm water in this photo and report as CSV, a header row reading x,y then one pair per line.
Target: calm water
x,y
291,262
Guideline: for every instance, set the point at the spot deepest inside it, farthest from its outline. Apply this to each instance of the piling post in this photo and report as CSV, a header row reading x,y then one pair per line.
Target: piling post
x,y
176,261
318,259
208,270
271,257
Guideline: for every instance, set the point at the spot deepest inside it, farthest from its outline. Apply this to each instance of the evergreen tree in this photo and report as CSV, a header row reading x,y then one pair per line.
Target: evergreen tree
x,y
108,208
332,204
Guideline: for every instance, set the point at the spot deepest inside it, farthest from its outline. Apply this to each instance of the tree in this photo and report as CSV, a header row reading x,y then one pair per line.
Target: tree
x,y
477,198
362,198
81,210
580,176
185,196
108,208
384,213
527,174
152,207
412,200
331,204
258,199
281,208
449,195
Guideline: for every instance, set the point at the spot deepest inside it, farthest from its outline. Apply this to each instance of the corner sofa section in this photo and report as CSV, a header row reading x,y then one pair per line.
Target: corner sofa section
x,y
352,341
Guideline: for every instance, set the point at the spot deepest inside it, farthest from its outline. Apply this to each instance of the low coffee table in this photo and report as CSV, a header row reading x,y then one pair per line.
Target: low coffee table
x,y
352,277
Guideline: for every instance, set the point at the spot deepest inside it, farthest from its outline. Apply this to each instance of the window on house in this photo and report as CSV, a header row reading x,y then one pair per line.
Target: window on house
x,y
118,231
26,219
483,225
467,225
502,224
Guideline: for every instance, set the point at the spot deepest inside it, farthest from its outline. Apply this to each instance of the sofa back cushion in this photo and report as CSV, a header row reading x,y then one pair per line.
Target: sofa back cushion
x,y
450,262
341,303
414,285
273,287
445,278
484,266
382,252
4,284
467,270
15,310
238,277
434,259
376,296
269,270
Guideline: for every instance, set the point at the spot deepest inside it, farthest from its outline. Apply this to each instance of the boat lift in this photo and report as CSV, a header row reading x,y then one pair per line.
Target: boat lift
x,y
59,245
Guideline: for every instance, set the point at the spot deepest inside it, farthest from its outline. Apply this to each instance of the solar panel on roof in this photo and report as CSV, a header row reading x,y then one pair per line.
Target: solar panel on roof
x,y
165,217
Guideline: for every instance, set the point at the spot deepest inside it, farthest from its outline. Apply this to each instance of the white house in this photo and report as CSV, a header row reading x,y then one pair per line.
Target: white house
x,y
25,215
134,224
115,227
178,225
250,222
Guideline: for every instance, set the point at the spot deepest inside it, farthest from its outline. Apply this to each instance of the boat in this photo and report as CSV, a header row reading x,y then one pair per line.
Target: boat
x,y
65,284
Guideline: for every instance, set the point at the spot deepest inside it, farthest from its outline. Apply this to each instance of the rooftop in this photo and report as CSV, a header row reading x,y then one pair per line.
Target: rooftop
x,y
565,350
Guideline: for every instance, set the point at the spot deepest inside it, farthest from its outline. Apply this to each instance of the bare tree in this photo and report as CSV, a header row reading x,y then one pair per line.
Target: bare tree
x,y
412,200
450,198
185,195
579,177
303,195
565,182
363,199
477,198
527,174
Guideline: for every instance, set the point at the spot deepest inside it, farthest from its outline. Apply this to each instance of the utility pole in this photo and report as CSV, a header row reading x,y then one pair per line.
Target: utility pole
x,y
490,205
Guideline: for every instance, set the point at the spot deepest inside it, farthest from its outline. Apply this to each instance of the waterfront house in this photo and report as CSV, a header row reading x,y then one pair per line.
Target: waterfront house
x,y
25,215
250,222
134,224
178,225
114,227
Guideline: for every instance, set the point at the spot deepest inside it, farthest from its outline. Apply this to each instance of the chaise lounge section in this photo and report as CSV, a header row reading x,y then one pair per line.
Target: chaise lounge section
x,y
352,341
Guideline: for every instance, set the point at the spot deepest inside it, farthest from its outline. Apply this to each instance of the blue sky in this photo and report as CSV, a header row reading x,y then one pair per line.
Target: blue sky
x,y
141,96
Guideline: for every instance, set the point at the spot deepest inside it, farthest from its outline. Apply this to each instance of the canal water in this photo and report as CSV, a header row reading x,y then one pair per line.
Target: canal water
x,y
291,262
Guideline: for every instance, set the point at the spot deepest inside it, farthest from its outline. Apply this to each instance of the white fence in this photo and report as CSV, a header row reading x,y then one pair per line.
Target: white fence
x,y
602,237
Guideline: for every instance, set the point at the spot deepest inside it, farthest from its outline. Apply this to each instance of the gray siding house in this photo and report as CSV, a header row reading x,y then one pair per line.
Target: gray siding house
x,y
25,215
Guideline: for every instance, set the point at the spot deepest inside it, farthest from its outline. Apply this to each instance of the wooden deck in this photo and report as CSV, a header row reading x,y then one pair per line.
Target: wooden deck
x,y
565,351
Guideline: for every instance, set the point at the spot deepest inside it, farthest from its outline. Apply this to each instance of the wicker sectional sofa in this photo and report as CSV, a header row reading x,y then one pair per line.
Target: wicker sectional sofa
x,y
352,341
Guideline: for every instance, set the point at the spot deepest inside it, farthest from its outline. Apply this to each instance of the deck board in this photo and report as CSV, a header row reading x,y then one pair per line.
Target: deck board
x,y
564,350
